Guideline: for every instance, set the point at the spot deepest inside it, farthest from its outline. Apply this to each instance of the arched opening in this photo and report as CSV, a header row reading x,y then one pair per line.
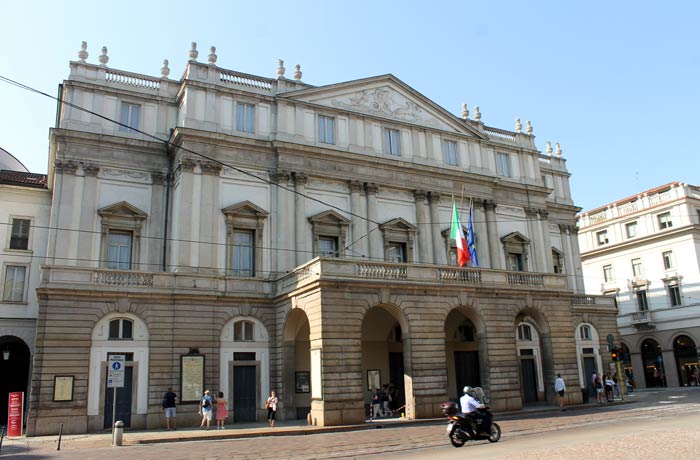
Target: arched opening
x,y
462,353
383,366
297,366
245,367
15,359
588,356
686,355
119,334
527,341
653,362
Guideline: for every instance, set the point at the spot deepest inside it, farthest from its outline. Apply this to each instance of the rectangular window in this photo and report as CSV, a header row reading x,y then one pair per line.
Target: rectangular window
x,y
631,229
674,295
637,267
15,277
119,250
607,273
19,238
515,262
327,246
243,331
668,259
665,220
244,253
503,164
641,296
245,117
396,252
449,150
130,116
392,145
602,237
326,129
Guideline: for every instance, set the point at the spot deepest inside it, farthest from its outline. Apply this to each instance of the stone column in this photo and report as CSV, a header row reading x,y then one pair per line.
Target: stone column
x,y
493,241
195,219
535,246
358,233
209,217
153,246
439,250
182,217
546,240
568,256
576,259
88,219
670,369
425,247
68,214
278,231
300,223
376,244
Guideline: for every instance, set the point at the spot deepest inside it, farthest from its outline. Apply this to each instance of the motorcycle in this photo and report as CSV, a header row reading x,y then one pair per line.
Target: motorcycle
x,y
461,428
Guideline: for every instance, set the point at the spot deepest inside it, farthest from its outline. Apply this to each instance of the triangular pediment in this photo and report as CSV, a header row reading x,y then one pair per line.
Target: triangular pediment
x,y
122,209
398,224
387,97
245,209
515,237
329,217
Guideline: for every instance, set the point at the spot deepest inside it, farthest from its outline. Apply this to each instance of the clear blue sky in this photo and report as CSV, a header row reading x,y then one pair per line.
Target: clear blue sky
x,y
616,83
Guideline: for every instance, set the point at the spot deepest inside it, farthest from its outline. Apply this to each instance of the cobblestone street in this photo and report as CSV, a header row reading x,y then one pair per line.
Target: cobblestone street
x,y
603,430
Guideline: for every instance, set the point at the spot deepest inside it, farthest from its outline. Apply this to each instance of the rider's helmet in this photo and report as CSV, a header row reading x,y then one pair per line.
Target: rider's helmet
x,y
468,390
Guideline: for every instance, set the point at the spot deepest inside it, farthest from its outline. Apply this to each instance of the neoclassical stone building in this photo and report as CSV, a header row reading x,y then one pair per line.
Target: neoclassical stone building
x,y
244,234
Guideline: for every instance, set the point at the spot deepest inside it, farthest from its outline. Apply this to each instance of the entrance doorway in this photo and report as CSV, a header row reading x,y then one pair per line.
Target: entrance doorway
x,y
467,369
686,360
652,359
14,371
123,411
244,394
528,376
588,368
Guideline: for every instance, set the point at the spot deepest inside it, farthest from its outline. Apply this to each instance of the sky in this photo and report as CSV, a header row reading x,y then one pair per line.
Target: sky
x,y
617,84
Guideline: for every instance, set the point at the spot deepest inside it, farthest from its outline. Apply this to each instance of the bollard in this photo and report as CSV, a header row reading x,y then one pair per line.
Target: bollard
x,y
118,433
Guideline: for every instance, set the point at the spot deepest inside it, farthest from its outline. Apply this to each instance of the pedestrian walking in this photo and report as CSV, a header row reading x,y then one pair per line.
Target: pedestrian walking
x,y
205,409
376,404
598,386
271,406
169,403
608,383
560,388
221,411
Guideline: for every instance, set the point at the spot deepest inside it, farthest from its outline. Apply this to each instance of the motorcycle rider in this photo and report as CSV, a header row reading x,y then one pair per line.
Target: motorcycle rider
x,y
469,405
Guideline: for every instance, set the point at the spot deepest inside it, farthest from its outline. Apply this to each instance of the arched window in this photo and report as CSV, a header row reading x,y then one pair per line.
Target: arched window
x,y
524,332
121,329
243,331
465,332
585,332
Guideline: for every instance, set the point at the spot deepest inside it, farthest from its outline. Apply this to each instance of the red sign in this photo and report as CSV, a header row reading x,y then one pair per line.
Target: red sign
x,y
14,414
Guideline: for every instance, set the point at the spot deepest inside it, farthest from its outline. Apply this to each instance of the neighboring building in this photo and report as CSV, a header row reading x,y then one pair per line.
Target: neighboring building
x,y
25,205
644,251
296,238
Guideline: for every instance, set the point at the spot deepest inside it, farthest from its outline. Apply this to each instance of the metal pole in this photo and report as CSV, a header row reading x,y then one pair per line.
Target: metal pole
x,y
60,434
2,436
621,380
114,412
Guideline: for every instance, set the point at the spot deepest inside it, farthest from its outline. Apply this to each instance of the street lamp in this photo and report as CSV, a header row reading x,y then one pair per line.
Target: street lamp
x,y
6,354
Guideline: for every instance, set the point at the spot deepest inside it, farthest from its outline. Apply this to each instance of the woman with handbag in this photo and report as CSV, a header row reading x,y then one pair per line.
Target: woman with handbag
x,y
271,406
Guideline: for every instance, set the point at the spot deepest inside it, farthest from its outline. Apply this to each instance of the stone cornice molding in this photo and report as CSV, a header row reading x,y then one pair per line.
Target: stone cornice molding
x,y
211,168
280,176
355,186
434,197
65,166
420,195
300,178
187,164
489,205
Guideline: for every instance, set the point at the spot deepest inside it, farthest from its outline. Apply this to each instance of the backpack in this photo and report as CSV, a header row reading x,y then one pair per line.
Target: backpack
x,y
205,403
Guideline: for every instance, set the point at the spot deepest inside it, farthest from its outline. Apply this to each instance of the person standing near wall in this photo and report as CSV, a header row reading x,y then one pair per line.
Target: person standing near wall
x,y
169,400
271,406
560,388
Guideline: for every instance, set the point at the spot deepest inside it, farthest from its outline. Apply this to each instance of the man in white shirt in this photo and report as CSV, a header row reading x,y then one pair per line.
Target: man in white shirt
x,y
560,388
469,406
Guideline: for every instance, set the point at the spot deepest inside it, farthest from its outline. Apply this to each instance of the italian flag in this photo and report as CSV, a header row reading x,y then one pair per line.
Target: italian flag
x,y
457,233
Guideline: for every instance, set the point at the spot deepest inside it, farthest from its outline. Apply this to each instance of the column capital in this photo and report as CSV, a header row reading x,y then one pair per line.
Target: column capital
x,y
157,177
532,212
355,186
489,205
91,169
65,166
279,176
420,195
372,188
434,197
301,178
211,168
187,164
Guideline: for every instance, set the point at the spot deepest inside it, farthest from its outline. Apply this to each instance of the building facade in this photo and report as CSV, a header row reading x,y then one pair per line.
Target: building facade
x,y
644,251
25,204
243,234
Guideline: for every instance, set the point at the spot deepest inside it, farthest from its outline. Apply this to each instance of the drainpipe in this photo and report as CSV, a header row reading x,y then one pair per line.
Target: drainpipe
x,y
167,201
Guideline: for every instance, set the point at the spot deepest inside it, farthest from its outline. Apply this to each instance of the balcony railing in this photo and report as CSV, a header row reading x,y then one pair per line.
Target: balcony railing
x,y
641,317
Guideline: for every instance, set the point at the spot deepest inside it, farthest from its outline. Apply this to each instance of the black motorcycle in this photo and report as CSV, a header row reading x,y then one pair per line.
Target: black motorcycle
x,y
461,428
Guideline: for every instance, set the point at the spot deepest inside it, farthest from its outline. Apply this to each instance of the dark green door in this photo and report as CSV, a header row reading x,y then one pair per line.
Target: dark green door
x,y
467,370
244,408
123,412
529,379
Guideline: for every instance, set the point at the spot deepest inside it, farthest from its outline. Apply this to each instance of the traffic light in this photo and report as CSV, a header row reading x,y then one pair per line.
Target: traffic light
x,y
614,354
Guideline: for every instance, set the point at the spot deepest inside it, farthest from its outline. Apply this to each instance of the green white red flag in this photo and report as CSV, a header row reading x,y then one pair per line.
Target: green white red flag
x,y
457,233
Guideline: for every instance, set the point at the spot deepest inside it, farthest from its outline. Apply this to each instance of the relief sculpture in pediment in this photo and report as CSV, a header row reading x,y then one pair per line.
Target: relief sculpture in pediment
x,y
381,101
